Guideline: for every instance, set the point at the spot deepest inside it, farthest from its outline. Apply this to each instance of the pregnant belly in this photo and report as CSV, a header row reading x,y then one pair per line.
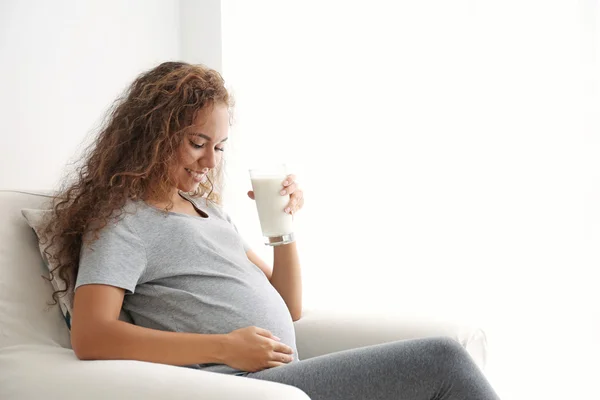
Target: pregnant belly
x,y
212,308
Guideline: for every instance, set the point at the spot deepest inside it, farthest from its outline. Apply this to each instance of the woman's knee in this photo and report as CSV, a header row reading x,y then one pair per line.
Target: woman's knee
x,y
446,344
446,350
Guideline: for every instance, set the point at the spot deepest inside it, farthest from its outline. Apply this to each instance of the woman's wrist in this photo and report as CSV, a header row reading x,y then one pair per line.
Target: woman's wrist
x,y
214,347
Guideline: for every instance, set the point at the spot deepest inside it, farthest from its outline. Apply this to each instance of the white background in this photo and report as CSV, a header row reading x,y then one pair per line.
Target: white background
x,y
449,155
63,63
448,150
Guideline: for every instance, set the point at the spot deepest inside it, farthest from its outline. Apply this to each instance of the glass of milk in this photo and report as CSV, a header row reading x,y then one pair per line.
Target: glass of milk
x,y
275,223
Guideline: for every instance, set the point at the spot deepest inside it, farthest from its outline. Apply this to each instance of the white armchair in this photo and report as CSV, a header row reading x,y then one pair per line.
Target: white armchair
x,y
36,360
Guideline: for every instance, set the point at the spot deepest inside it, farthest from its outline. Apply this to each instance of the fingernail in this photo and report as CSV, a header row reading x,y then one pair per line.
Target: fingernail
x,y
282,192
285,183
287,210
276,338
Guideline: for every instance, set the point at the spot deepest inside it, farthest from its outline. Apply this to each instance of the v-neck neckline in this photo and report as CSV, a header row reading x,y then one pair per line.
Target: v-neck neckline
x,y
200,214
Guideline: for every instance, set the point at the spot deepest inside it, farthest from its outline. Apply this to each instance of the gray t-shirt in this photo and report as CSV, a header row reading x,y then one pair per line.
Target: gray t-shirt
x,y
183,273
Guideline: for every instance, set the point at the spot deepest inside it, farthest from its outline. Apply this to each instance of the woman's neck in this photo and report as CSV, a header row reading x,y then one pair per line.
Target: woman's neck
x,y
174,198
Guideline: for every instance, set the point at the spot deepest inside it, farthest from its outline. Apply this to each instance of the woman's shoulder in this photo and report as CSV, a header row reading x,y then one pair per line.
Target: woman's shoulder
x,y
122,218
122,223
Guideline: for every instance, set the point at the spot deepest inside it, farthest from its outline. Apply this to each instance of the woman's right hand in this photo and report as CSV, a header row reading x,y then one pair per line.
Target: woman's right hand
x,y
253,349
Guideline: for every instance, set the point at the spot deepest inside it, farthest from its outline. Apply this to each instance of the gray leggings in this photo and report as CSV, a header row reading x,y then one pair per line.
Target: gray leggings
x,y
418,369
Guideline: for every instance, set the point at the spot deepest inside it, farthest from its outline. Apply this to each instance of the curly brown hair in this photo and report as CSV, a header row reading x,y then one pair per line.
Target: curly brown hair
x,y
130,159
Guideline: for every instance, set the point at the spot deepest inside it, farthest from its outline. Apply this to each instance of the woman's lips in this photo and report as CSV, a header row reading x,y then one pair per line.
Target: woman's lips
x,y
196,176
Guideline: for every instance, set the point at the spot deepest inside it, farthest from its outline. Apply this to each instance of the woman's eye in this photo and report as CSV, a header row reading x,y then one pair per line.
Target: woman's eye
x,y
196,146
200,146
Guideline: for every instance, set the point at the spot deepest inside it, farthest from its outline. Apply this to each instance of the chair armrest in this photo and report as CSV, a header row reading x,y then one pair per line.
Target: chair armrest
x,y
322,332
52,372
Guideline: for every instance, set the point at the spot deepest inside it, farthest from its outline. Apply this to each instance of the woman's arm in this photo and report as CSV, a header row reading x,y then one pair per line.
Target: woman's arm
x,y
285,275
97,333
287,278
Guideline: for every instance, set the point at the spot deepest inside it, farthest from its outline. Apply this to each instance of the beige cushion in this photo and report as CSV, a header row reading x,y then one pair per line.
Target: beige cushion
x,y
322,331
37,220
33,372
25,316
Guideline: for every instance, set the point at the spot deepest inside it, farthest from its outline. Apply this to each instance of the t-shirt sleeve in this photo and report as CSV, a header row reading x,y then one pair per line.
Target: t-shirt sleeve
x,y
116,258
247,247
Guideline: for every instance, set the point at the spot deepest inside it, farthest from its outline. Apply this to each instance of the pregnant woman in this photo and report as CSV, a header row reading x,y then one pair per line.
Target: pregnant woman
x,y
143,231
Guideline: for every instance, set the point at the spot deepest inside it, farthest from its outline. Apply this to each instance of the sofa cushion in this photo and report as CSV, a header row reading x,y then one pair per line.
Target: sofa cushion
x,y
25,314
51,373
37,220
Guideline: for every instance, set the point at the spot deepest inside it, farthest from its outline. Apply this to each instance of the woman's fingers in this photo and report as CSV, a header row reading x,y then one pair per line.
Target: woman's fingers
x,y
266,333
281,357
291,188
277,345
289,180
296,202
273,364
284,349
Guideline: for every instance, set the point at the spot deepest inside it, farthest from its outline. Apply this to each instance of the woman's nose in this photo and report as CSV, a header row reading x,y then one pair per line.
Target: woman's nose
x,y
209,160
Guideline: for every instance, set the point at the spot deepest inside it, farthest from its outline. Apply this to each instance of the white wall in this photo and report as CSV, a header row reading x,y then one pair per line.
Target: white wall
x,y
447,150
63,63
200,33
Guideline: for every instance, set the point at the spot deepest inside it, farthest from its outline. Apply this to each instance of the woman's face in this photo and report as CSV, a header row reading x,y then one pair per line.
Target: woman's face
x,y
202,147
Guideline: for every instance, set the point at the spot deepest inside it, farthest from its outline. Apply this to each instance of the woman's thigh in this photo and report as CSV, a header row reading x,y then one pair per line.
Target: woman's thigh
x,y
419,369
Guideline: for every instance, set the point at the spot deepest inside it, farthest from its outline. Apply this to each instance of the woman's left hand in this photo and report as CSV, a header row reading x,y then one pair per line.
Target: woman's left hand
x,y
289,188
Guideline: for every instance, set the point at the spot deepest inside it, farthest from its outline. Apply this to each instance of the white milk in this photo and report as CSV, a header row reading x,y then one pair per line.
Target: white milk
x,y
274,221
